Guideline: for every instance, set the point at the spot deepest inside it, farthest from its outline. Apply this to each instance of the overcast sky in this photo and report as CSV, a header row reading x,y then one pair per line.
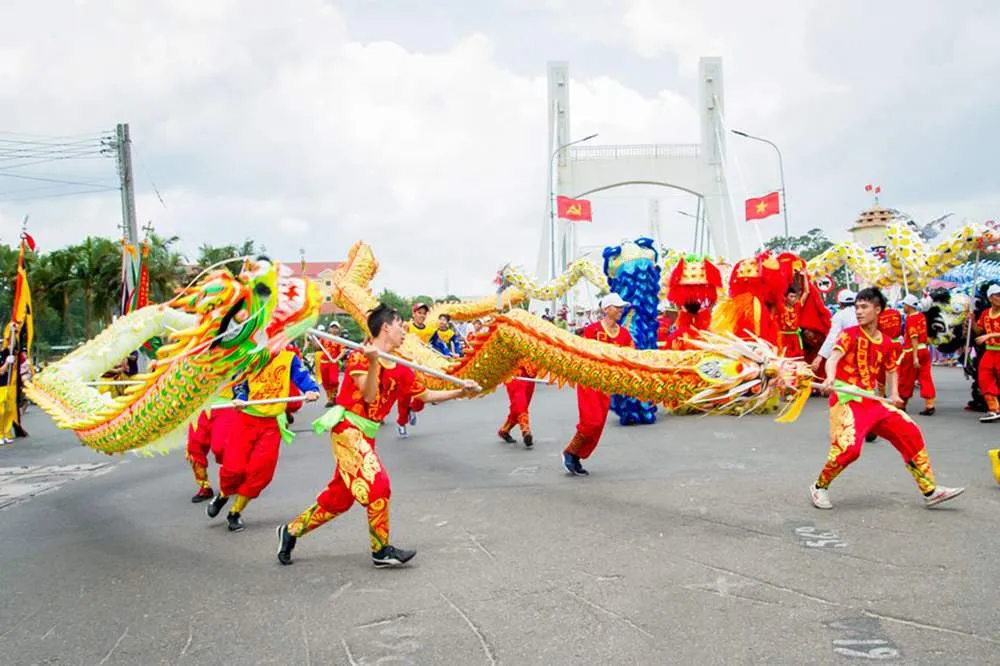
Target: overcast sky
x,y
420,125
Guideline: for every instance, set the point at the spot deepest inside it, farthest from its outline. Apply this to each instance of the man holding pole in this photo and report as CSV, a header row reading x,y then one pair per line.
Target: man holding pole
x,y
915,362
592,404
256,433
375,382
855,411
328,364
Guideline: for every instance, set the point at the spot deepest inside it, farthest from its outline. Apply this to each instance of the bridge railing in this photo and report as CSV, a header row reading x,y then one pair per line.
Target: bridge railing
x,y
660,150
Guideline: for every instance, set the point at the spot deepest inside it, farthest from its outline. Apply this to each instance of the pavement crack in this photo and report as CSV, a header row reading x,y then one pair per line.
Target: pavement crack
x,y
340,590
799,593
610,612
383,621
347,651
601,578
190,636
487,648
932,627
16,626
480,546
113,648
305,638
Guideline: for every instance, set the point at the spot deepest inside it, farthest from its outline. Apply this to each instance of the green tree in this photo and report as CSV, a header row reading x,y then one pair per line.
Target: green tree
x,y
808,245
96,273
811,244
394,300
166,268
210,255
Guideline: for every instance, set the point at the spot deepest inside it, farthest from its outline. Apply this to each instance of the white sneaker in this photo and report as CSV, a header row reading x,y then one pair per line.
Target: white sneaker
x,y
401,430
820,497
942,494
990,417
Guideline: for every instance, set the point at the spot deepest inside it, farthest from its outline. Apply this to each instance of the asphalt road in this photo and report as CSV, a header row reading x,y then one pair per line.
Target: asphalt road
x,y
692,542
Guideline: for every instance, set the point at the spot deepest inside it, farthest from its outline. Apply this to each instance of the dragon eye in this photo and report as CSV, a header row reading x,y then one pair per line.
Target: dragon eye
x,y
262,290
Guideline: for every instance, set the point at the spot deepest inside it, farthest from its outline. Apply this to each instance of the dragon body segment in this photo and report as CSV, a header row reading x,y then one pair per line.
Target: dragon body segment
x,y
515,287
633,273
218,331
908,261
726,374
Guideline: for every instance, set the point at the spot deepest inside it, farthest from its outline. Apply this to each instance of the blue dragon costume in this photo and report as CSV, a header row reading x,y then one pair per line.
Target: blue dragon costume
x,y
633,272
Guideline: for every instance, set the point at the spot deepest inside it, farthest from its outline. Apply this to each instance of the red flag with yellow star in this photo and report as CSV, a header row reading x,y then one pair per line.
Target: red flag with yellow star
x,y
765,206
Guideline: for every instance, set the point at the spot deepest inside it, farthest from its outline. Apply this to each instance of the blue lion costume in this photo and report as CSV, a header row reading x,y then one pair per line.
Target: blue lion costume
x,y
633,272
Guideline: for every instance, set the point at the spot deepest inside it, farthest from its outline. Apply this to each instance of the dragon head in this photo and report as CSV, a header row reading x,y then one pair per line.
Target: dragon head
x,y
246,319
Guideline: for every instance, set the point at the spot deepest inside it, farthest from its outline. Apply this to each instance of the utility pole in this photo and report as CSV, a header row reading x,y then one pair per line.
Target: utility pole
x,y
123,151
123,147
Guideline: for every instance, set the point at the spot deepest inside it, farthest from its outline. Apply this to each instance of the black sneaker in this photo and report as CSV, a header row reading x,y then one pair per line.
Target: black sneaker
x,y
203,495
236,523
286,543
871,437
505,436
572,464
390,556
529,441
291,418
215,506
928,412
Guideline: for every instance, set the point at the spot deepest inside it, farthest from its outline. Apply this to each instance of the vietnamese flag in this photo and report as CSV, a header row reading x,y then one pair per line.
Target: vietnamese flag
x,y
765,206
574,210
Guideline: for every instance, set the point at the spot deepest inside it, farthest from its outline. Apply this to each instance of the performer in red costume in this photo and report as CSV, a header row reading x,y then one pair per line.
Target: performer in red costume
x,y
890,324
407,412
594,405
208,434
790,335
251,454
987,331
374,385
747,314
915,361
813,317
327,364
858,356
693,287
519,393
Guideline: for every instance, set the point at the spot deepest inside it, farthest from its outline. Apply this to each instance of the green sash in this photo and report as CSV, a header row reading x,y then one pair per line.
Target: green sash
x,y
844,398
326,422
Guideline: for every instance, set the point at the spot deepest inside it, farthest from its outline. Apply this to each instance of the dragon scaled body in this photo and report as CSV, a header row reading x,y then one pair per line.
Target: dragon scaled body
x,y
218,331
634,274
908,261
726,374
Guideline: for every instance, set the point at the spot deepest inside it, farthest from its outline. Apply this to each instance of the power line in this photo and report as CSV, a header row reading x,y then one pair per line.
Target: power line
x,y
63,194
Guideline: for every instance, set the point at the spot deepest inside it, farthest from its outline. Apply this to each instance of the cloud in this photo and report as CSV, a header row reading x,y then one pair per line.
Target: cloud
x,y
255,124
277,122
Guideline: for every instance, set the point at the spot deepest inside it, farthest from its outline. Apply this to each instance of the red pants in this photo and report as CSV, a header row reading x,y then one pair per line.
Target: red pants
x,y
593,406
251,455
791,344
329,375
210,433
519,393
404,406
989,374
852,421
358,477
909,375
